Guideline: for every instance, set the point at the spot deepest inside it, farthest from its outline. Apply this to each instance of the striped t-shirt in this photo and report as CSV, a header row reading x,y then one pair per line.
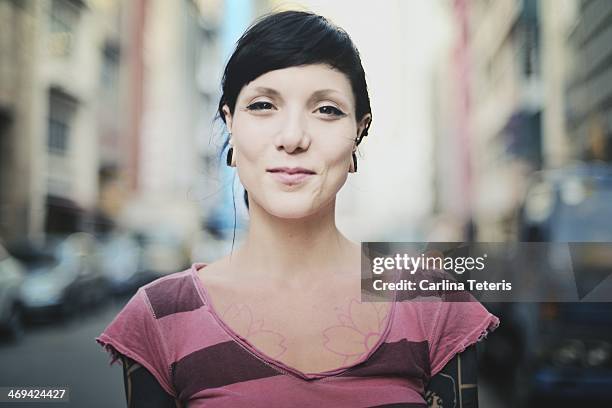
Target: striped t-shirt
x,y
169,327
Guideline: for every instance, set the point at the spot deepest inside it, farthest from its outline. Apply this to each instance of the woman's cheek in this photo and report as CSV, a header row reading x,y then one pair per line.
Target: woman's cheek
x,y
336,177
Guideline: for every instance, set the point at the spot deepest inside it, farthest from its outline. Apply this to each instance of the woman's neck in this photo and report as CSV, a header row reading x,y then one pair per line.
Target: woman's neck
x,y
292,252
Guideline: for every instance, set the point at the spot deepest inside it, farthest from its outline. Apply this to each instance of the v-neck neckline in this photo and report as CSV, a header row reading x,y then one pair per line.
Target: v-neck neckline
x,y
275,363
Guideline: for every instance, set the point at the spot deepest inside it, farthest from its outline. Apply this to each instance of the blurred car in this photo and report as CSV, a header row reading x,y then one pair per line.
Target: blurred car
x,y
63,277
121,260
563,350
12,275
163,252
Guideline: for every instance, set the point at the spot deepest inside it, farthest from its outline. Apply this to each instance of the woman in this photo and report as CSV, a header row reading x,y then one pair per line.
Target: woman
x,y
279,321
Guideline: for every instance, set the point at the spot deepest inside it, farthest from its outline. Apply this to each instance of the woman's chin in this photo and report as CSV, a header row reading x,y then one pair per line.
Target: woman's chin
x,y
290,207
290,211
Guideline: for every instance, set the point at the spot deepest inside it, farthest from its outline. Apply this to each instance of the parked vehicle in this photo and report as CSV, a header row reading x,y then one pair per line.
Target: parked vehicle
x,y
12,275
562,351
63,278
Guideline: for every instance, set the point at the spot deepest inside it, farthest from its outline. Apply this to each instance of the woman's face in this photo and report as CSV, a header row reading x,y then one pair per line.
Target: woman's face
x,y
293,132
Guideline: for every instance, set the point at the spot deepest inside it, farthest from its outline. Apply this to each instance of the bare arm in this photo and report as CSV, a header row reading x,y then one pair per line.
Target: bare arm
x,y
457,384
142,389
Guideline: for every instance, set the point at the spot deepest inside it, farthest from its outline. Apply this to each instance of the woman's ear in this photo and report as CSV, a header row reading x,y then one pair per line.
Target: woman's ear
x,y
228,117
363,124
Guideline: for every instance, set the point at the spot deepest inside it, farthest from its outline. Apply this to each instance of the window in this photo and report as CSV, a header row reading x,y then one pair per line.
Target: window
x,y
109,75
64,17
61,112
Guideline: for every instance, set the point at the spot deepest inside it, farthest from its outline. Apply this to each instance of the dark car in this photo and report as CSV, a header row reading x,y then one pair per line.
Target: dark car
x,y
62,278
562,351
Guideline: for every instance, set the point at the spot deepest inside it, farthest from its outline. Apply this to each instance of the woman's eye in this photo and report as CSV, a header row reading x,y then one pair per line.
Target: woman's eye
x,y
330,110
259,106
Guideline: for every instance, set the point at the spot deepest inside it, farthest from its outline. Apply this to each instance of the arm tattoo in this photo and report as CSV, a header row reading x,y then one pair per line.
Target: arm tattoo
x,y
142,389
456,386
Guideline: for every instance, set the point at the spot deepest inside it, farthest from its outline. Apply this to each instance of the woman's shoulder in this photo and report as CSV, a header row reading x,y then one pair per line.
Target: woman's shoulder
x,y
185,290
173,293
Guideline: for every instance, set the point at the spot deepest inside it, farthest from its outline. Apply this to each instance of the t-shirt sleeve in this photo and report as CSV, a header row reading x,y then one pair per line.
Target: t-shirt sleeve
x,y
457,325
134,332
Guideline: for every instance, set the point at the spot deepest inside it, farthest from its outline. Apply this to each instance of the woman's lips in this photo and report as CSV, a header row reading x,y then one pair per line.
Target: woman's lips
x,y
289,177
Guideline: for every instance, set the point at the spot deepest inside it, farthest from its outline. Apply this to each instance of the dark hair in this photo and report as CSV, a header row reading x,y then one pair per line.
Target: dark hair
x,y
288,39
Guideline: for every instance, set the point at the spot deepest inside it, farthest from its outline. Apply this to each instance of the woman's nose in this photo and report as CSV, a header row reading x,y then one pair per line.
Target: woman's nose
x,y
293,133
